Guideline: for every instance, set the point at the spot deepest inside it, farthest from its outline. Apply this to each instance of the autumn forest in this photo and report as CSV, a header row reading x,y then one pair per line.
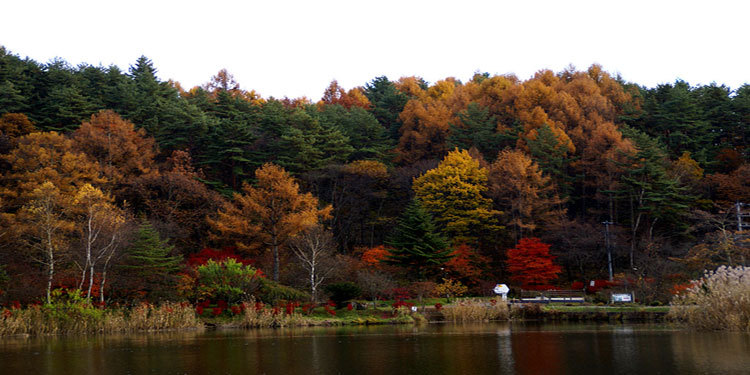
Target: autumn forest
x,y
121,184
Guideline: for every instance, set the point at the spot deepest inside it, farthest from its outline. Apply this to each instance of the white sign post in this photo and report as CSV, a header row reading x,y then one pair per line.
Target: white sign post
x,y
502,290
622,297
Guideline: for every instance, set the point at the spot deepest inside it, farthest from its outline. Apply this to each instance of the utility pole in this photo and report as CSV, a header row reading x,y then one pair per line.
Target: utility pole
x,y
609,248
740,215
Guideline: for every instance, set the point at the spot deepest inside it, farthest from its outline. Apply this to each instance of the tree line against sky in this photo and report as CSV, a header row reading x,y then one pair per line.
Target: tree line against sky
x,y
106,171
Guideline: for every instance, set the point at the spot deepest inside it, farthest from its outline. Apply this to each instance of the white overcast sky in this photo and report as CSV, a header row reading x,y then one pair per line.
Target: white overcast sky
x,y
295,48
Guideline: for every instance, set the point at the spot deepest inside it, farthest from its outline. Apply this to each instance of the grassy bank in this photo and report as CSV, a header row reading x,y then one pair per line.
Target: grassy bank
x,y
79,317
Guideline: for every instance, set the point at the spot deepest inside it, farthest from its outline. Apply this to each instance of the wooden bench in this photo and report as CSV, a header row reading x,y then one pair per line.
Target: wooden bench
x,y
547,296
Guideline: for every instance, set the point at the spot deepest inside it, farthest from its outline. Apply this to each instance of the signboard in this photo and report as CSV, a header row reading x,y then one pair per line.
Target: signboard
x,y
624,297
502,290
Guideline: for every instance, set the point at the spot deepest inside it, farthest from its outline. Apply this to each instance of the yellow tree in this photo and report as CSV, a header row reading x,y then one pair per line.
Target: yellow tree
x,y
44,225
454,194
522,192
41,157
100,225
269,213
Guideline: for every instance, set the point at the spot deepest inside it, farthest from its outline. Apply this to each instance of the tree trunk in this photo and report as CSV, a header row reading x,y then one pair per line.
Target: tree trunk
x,y
312,281
275,261
91,282
50,276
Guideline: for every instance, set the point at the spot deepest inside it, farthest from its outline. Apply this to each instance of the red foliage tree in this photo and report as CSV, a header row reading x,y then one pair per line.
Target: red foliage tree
x,y
531,264
466,264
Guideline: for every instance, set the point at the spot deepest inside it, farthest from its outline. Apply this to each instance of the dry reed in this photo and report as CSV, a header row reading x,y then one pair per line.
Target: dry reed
x,y
476,310
83,318
718,301
257,315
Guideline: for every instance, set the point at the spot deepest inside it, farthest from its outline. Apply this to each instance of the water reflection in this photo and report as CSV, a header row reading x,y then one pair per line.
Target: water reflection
x,y
436,348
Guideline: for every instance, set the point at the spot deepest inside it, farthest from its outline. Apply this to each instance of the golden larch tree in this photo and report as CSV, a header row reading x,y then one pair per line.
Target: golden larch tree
x,y
525,195
269,213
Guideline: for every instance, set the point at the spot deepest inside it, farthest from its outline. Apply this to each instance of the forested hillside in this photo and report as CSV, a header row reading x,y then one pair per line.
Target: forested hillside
x,y
107,171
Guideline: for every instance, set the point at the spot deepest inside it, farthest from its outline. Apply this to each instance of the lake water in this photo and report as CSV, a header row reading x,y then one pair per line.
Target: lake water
x,y
490,348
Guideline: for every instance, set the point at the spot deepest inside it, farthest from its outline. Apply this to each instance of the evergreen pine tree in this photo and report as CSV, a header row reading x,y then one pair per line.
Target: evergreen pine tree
x,y
417,244
387,104
477,128
551,155
149,259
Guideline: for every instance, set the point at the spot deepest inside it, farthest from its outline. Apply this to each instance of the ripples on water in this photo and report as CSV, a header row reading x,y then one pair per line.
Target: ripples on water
x,y
490,348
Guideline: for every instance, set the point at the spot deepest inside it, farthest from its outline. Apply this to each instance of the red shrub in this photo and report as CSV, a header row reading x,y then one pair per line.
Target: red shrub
x,y
400,293
330,310
199,310
203,256
308,308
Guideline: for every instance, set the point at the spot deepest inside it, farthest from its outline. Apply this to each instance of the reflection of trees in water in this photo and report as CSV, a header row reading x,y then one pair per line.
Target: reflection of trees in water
x,y
711,352
446,348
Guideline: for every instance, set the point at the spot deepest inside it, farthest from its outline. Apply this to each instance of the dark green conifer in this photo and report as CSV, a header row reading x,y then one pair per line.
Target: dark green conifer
x,y
417,244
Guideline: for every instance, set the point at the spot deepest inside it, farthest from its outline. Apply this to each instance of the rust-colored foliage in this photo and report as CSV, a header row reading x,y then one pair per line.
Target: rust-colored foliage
x,y
531,264
467,265
122,151
525,195
731,188
268,214
176,196
14,125
335,94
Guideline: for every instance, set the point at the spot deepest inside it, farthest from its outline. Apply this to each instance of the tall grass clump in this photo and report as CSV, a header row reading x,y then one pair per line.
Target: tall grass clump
x,y
258,315
148,317
476,310
720,300
70,313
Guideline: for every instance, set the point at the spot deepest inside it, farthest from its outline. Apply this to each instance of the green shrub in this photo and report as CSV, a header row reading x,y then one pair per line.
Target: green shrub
x,y
272,292
343,292
227,280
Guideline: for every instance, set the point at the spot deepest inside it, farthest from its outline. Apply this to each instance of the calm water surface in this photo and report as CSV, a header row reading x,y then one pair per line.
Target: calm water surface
x,y
431,349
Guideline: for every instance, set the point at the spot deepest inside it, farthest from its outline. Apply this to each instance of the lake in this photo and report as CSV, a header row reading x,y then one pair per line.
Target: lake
x,y
490,348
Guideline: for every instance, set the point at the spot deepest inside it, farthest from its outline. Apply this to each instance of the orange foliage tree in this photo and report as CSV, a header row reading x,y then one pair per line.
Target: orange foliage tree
x,y
373,257
335,94
531,264
270,213
122,151
466,265
525,195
